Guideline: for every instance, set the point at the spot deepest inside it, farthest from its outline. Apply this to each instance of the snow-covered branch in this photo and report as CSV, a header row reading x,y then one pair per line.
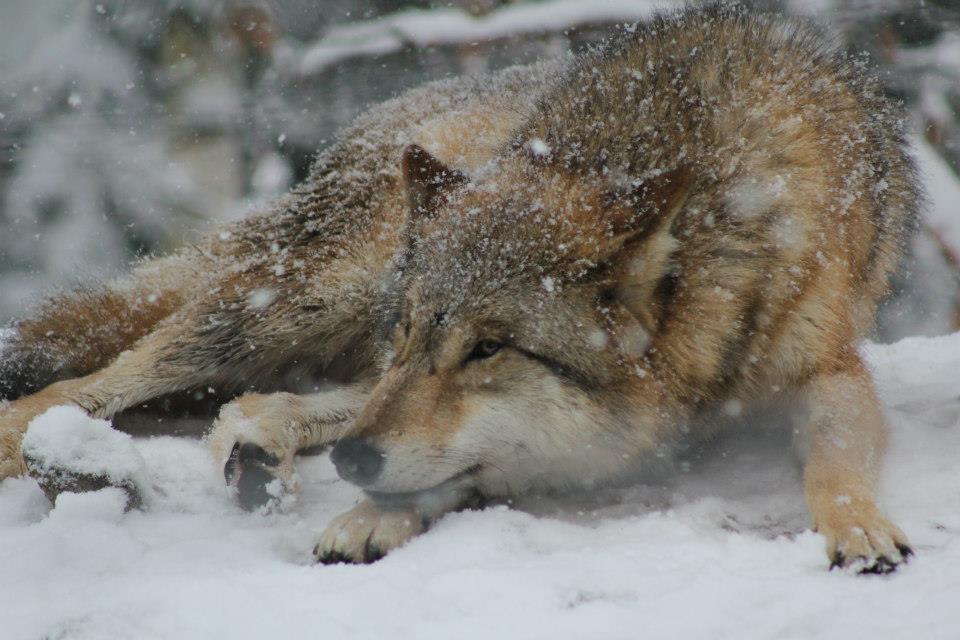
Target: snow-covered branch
x,y
424,28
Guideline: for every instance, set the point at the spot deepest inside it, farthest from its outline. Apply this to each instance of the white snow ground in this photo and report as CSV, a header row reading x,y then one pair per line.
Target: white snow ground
x,y
722,554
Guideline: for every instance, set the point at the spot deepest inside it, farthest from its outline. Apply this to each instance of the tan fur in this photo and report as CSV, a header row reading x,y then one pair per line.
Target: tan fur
x,y
367,532
575,264
846,438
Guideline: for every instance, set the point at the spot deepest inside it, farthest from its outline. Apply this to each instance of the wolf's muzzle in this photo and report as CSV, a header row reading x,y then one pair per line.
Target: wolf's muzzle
x,y
357,461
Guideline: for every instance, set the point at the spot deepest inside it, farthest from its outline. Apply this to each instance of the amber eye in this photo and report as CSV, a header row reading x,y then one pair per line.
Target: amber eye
x,y
484,349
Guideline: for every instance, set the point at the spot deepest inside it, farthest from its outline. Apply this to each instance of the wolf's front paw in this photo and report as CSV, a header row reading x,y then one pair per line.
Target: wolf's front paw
x,y
366,533
253,439
865,542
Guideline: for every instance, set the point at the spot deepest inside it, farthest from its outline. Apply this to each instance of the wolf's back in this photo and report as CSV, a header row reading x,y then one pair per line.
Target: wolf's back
x,y
756,104
354,190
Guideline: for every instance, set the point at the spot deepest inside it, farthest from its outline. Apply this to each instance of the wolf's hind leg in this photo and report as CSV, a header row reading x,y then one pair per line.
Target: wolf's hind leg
x,y
79,332
144,372
843,443
256,436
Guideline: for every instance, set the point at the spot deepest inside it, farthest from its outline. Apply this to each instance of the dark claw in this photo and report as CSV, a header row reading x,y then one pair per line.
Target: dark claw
x,y
230,468
905,551
372,553
880,567
333,557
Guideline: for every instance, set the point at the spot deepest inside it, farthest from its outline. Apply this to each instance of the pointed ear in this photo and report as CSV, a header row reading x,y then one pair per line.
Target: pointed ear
x,y
646,207
427,179
658,199
644,253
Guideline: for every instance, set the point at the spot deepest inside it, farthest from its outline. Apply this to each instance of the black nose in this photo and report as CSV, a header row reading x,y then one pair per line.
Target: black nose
x,y
357,461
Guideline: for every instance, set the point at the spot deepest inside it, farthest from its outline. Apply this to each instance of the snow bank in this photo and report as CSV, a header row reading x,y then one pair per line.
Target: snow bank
x,y
450,26
722,553
916,372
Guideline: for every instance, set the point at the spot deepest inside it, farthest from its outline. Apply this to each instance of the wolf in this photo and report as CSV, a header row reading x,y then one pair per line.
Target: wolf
x,y
534,281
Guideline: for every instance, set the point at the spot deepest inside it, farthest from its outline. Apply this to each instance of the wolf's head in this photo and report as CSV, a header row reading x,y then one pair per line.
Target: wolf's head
x,y
521,310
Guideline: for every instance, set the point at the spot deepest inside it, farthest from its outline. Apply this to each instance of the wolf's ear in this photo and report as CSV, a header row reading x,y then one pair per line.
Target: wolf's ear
x,y
643,253
654,202
644,208
427,179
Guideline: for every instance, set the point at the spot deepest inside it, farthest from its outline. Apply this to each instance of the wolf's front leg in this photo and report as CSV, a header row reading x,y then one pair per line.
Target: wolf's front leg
x,y
843,444
256,437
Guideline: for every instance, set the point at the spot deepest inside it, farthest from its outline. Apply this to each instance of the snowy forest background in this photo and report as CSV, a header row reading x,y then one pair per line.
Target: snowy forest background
x,y
127,126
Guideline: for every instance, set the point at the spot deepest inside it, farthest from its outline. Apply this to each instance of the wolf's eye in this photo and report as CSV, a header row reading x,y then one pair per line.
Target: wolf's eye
x,y
484,349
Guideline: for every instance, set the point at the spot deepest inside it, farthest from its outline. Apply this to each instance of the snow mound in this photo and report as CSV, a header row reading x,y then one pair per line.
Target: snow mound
x,y
916,371
104,505
67,450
